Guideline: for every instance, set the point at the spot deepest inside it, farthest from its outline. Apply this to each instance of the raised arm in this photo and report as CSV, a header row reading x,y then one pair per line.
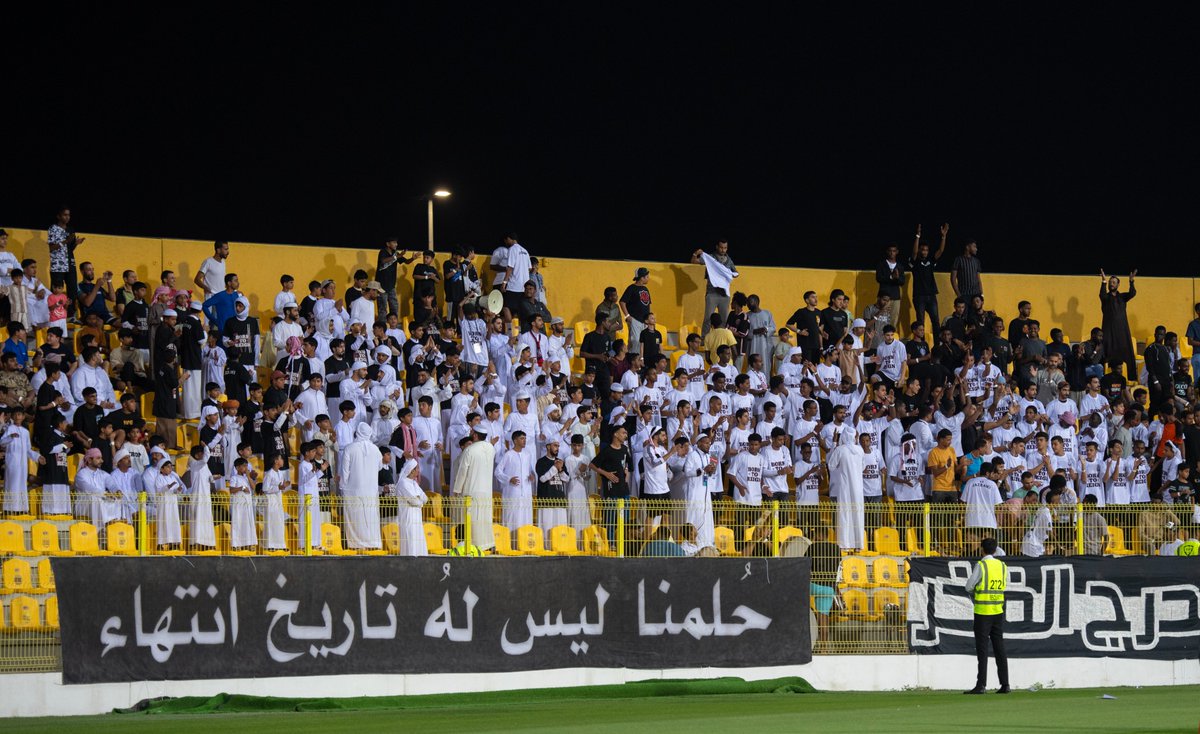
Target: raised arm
x,y
916,242
942,247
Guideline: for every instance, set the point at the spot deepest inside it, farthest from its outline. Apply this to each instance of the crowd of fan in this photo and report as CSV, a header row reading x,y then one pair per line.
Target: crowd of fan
x,y
824,411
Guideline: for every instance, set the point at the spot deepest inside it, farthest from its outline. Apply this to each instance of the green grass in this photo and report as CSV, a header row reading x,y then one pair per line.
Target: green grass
x,y
1146,710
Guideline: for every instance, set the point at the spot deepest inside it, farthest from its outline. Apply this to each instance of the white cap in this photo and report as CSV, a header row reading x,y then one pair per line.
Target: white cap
x,y
359,365
169,312
196,306
523,395
616,387
290,304
858,324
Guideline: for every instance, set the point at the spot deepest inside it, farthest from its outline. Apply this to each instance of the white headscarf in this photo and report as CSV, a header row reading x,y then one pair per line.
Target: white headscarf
x,y
408,468
363,432
245,313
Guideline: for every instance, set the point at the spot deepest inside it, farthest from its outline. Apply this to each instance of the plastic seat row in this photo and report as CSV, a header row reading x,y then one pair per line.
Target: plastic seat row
x,y
883,572
26,614
861,606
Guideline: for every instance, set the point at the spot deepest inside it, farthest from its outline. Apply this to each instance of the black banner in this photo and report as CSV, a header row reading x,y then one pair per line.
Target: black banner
x,y
1137,607
128,619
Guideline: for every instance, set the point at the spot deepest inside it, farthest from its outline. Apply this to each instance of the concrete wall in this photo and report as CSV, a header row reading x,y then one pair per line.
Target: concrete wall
x,y
575,286
43,694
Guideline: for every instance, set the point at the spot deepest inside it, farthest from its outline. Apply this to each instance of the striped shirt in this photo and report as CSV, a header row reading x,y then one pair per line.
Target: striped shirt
x,y
968,269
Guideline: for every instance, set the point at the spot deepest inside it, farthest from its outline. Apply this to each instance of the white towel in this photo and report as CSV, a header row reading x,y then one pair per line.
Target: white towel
x,y
718,275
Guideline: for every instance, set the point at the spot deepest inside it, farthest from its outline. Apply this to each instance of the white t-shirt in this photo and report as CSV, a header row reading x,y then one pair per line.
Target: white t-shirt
x,y
777,464
500,260
981,497
911,469
1118,484
691,363
891,358
808,491
213,271
8,262
748,468
872,474
654,471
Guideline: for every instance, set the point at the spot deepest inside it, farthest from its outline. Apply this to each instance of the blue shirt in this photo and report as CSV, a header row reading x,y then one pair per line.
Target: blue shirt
x,y
219,308
98,307
19,349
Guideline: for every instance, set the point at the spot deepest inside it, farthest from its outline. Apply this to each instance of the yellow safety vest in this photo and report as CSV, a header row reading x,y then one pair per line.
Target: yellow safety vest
x,y
462,549
989,592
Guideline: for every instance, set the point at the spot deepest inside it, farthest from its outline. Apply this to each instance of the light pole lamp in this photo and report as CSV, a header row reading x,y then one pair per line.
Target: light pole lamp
x,y
439,194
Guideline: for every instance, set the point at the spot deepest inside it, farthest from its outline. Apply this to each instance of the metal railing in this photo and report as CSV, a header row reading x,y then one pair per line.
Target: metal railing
x,y
863,578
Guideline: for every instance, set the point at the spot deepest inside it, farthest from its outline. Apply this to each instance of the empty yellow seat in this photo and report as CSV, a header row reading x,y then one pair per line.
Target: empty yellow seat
x,y
595,541
503,540
331,540
530,541
883,598
45,576
434,541
854,573
24,614
887,572
857,605
84,540
52,613
17,577
887,542
723,540
12,538
121,539
564,541
43,540
1116,542
391,537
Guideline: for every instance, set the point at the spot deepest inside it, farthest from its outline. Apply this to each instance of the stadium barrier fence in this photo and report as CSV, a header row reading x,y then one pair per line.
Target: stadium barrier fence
x,y
869,584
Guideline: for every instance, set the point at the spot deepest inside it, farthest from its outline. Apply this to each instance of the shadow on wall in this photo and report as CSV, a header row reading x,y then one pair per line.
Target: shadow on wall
x,y
1071,320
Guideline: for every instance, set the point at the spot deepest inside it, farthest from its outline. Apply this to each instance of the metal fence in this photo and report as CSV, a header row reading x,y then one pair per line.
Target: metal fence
x,y
859,593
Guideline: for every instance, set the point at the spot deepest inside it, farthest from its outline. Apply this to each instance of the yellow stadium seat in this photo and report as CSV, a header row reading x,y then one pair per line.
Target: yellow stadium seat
x,y
530,541
121,539
52,613
686,330
580,331
595,541
187,435
291,503
857,605
564,541
723,540
787,532
503,540
17,577
887,572
43,540
1116,542
24,614
434,510
883,598
84,540
887,542
391,537
331,540
45,576
434,540
12,538
854,573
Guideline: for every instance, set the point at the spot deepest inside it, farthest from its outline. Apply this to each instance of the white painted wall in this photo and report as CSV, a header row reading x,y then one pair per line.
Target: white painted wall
x,y
43,694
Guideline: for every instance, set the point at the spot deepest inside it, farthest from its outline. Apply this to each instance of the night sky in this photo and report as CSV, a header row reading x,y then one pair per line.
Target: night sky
x,y
1062,143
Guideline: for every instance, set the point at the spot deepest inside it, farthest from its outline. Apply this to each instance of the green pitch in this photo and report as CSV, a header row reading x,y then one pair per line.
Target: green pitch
x,y
602,709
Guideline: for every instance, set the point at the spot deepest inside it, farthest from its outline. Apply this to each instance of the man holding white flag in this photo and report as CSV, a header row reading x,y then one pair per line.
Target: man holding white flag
x,y
719,271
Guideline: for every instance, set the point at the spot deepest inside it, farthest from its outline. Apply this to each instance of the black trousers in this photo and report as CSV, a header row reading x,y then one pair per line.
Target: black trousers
x,y
926,304
990,627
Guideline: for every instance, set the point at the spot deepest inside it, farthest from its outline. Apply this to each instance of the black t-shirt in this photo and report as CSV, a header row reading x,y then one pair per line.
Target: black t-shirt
x,y
87,421
1112,384
637,301
651,340
242,334
916,349
836,323
923,282
805,318
596,343
1016,330
166,393
423,286
552,490
617,461
1002,352
190,343
66,356
122,421
1191,445
137,315
352,295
